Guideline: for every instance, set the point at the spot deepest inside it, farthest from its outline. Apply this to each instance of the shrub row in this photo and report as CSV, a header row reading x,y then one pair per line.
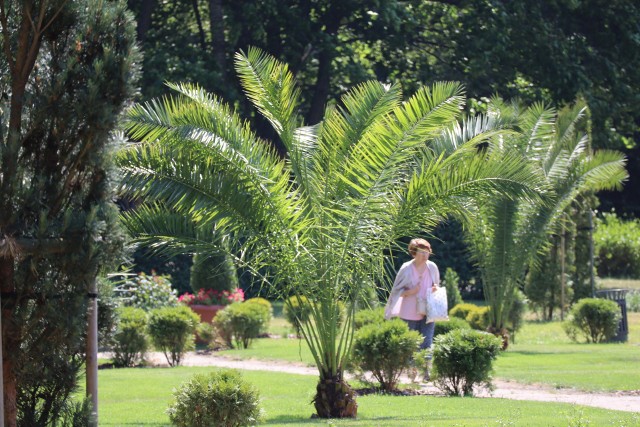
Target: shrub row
x,y
171,330
462,357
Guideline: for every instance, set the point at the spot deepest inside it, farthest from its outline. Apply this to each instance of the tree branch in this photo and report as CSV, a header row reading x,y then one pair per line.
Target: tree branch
x,y
16,247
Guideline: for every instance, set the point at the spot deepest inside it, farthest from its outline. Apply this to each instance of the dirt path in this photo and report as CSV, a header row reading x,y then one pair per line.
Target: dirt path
x,y
621,401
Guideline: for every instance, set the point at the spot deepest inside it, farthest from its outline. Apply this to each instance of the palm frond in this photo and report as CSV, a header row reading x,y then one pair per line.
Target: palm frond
x,y
270,86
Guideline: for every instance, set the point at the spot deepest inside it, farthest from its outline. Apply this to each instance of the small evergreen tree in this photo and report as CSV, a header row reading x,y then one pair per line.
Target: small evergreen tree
x,y
451,281
215,271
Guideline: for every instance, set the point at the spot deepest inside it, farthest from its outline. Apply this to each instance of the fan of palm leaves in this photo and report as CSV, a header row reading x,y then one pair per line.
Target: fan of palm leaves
x,y
318,221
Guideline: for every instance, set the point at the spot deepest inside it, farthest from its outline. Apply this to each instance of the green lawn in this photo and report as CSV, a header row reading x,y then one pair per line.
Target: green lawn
x,y
611,283
139,397
542,353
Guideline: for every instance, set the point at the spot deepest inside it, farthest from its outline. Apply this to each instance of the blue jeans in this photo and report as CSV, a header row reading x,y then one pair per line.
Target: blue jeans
x,y
425,329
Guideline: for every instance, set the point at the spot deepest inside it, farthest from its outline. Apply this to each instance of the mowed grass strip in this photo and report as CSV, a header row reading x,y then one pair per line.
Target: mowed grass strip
x,y
140,397
543,354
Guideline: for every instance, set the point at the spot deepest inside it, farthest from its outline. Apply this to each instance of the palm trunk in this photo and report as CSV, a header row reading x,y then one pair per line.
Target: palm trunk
x,y
334,398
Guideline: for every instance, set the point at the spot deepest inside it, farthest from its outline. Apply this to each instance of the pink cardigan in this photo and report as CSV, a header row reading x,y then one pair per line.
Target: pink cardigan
x,y
403,282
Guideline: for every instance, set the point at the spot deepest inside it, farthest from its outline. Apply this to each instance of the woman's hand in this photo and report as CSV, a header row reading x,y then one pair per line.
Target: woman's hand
x,y
411,292
435,288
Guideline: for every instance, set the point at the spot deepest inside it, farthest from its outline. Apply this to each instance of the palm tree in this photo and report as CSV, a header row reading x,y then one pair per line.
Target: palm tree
x,y
319,222
507,234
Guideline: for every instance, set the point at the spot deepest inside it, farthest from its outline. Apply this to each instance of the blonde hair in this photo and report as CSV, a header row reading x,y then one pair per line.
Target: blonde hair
x,y
416,244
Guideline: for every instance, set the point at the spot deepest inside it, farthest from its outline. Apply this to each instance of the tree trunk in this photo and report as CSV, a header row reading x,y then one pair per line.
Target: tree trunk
x,y
144,20
8,342
194,4
325,58
218,43
335,399
316,111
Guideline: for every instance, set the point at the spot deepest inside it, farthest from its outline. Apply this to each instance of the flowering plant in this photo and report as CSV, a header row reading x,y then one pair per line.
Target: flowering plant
x,y
212,297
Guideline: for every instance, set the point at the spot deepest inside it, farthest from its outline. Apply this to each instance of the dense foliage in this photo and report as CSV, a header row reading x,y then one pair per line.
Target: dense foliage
x,y
172,331
68,69
617,246
130,339
385,349
463,359
594,319
221,398
147,292
240,323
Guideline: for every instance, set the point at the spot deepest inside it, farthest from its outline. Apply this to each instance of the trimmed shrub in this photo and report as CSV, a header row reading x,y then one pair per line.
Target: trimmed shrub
x,y
296,311
368,316
595,319
219,399
206,333
172,331
479,318
268,312
147,292
462,359
130,339
461,311
617,246
451,282
239,323
450,325
385,349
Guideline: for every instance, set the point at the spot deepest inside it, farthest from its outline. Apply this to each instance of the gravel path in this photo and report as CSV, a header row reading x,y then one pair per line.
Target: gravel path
x,y
621,401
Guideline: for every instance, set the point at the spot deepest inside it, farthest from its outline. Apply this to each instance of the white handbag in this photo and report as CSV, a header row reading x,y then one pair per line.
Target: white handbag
x,y
437,307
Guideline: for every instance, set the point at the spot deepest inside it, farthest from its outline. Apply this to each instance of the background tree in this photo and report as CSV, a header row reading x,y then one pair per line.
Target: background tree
x,y
507,234
535,51
67,72
321,220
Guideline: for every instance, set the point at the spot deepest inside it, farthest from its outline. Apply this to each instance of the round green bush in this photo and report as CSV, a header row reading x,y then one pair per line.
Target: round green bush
x,y
462,359
450,325
172,331
297,310
385,349
240,323
219,399
461,311
368,317
595,319
479,318
268,312
130,339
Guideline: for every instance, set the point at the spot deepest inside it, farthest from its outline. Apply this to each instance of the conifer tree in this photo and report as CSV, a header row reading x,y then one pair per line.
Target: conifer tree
x,y
67,71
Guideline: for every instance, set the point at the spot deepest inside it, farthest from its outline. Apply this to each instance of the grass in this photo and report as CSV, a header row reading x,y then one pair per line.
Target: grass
x,y
613,283
543,354
139,397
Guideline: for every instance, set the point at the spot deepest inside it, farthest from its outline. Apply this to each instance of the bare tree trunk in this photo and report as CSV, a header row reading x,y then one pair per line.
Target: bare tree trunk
x,y
325,58
144,20
9,385
203,43
218,43
321,91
